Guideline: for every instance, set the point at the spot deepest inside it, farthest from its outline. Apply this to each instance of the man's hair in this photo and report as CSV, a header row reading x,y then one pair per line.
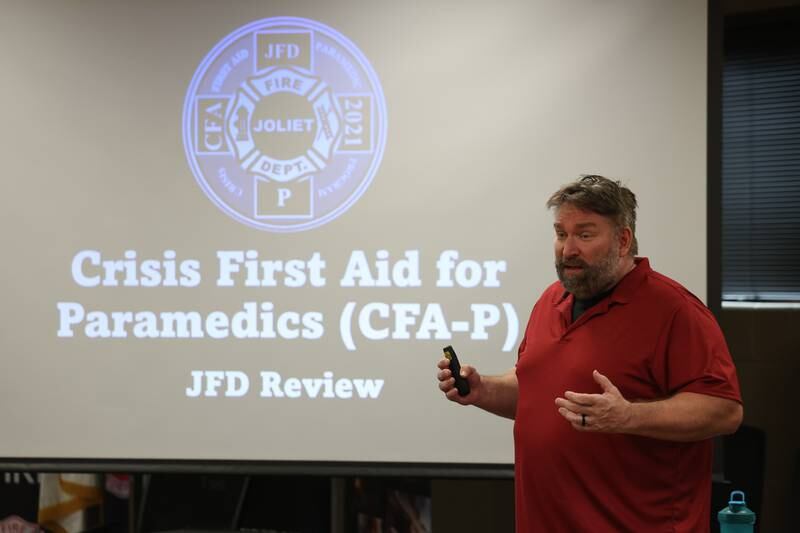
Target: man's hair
x,y
603,196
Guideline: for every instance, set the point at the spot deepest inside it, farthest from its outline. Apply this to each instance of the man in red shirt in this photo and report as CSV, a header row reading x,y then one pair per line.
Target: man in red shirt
x,y
622,378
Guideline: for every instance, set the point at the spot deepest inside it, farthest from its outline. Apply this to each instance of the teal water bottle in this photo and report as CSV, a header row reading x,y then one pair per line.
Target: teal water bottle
x,y
736,517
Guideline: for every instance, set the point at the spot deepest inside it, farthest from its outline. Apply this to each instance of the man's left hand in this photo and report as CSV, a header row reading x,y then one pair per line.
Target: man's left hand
x,y
608,412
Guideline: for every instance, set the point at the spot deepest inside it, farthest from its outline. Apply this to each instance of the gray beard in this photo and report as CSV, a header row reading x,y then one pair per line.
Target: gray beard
x,y
594,279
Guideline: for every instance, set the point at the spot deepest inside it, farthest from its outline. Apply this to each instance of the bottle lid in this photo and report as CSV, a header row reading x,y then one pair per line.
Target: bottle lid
x,y
736,512
736,501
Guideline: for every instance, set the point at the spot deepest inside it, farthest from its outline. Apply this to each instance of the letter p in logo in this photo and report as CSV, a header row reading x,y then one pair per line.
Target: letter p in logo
x,y
283,195
291,199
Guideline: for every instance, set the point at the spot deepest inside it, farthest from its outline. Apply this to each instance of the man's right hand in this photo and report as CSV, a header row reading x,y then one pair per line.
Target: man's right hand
x,y
447,384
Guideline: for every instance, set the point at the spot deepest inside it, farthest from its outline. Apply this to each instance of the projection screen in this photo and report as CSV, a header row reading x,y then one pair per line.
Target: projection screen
x,y
245,230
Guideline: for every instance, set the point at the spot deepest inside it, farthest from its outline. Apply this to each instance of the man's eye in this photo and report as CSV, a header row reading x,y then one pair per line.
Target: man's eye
x,y
585,236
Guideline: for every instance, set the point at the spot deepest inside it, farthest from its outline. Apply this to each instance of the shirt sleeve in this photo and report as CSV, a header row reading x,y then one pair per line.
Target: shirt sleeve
x,y
524,341
696,357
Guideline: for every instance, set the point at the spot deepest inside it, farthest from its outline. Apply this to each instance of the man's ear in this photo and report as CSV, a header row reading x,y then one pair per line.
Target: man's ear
x,y
625,241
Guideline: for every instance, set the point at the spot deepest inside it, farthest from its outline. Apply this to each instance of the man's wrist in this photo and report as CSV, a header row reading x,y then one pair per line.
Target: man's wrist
x,y
636,412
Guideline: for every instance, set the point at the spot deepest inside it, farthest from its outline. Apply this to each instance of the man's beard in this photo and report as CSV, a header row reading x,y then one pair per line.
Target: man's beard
x,y
593,279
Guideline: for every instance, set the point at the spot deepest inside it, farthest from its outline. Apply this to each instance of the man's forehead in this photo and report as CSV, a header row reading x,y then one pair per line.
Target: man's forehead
x,y
575,216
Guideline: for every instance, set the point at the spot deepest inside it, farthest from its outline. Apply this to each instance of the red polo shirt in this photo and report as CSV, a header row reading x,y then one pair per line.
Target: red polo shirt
x,y
652,338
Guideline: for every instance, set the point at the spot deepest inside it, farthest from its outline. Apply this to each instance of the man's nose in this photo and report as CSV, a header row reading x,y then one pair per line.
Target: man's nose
x,y
570,249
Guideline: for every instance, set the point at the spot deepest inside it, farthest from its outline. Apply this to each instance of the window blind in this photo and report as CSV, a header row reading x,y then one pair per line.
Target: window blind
x,y
761,164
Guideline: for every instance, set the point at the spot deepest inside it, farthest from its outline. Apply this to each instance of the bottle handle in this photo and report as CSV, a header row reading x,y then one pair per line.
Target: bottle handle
x,y
733,499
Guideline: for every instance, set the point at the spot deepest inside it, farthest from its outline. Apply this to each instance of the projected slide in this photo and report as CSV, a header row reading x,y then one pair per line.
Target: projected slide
x,y
246,232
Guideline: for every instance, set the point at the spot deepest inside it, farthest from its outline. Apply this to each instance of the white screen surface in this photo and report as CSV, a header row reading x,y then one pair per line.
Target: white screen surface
x,y
464,117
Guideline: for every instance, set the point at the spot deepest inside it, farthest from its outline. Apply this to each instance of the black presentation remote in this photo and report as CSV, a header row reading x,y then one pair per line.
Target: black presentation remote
x,y
455,368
